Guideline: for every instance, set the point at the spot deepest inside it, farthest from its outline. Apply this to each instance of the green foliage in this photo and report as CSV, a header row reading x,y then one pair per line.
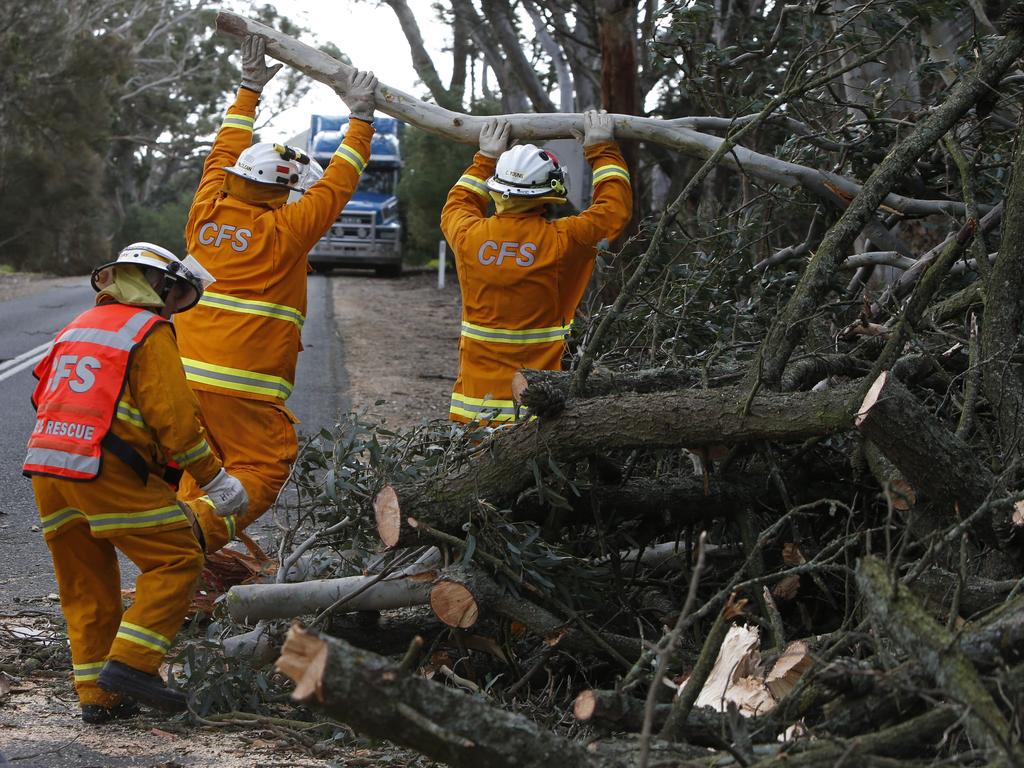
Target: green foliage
x,y
432,166
104,109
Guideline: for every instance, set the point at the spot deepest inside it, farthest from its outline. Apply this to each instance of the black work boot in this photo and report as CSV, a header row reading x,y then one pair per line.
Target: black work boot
x,y
148,689
97,714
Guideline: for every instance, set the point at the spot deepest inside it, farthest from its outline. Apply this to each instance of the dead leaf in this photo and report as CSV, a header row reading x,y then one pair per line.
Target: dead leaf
x,y
733,607
166,735
791,555
787,588
486,645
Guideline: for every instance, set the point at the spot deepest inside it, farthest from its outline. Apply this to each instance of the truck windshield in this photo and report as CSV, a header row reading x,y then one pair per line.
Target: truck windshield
x,y
378,180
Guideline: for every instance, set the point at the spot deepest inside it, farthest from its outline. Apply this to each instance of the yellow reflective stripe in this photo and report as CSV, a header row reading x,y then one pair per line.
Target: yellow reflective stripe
x,y
555,333
60,518
132,415
193,454
487,407
472,183
351,156
609,171
150,518
242,122
147,638
89,671
253,307
236,379
229,523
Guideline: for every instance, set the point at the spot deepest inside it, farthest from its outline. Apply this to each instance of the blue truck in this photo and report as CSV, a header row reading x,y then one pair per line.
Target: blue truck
x,y
368,232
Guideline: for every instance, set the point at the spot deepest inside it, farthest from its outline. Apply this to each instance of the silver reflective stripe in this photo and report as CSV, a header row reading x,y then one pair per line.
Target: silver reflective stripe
x,y
514,337
48,457
128,520
123,339
245,383
253,307
484,407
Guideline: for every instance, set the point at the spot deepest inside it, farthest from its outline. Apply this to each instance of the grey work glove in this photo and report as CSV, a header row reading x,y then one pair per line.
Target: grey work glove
x,y
494,137
598,128
227,494
360,98
255,72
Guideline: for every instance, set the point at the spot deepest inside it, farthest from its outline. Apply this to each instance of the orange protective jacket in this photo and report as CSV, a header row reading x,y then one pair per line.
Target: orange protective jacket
x,y
521,278
243,338
158,416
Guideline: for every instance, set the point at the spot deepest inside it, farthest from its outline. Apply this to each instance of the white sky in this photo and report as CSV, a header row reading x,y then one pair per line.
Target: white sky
x,y
372,38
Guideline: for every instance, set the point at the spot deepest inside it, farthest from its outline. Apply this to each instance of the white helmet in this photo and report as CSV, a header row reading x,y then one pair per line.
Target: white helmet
x,y
175,270
528,171
277,164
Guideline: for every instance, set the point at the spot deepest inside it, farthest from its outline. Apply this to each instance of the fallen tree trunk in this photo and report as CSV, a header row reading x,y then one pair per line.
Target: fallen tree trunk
x,y
359,593
930,457
464,128
461,595
376,697
545,392
687,418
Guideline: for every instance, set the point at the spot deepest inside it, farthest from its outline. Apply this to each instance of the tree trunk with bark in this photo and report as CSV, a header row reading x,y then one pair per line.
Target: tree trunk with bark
x,y
672,419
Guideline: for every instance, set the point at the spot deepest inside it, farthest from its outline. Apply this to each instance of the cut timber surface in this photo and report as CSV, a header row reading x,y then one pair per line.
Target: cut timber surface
x,y
681,418
453,603
388,515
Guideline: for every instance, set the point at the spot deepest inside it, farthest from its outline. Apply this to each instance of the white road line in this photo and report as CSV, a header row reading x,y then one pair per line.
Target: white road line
x,y
24,356
7,373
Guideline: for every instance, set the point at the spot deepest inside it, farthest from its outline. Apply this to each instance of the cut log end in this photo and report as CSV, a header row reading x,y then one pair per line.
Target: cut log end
x,y
304,659
585,706
871,398
519,386
388,513
454,604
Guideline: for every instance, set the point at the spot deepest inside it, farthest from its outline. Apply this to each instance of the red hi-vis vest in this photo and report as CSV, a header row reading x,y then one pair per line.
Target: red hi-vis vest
x,y
80,383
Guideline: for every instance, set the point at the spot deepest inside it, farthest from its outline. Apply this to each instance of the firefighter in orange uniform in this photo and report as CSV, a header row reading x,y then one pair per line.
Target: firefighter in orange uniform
x,y
521,275
113,410
241,344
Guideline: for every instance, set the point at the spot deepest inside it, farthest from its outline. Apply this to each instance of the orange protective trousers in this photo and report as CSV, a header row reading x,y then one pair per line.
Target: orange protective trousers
x,y
84,551
256,441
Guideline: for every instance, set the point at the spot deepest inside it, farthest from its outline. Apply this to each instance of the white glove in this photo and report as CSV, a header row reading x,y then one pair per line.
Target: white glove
x,y
494,137
255,72
598,127
227,494
360,98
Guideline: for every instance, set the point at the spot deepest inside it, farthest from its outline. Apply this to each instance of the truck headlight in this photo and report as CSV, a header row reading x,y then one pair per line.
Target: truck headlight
x,y
363,233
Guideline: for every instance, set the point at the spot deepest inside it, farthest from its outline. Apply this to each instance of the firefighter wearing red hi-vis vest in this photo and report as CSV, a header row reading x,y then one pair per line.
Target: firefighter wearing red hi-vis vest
x,y
521,275
241,345
116,423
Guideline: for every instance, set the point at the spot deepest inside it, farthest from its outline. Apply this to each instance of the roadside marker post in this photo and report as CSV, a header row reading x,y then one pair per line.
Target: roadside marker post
x,y
442,253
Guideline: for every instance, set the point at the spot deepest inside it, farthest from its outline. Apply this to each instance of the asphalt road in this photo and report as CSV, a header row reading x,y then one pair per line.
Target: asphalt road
x,y
27,325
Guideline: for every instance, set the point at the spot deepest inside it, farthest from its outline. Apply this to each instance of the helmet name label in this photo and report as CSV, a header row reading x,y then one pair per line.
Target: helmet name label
x,y
524,254
215,234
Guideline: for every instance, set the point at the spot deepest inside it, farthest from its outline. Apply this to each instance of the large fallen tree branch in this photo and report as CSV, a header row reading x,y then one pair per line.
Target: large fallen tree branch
x,y
505,463
896,611
466,128
407,588
377,697
928,455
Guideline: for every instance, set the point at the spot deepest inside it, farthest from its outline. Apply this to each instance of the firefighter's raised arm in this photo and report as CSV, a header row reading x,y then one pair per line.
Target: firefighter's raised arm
x,y
309,217
467,200
235,133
